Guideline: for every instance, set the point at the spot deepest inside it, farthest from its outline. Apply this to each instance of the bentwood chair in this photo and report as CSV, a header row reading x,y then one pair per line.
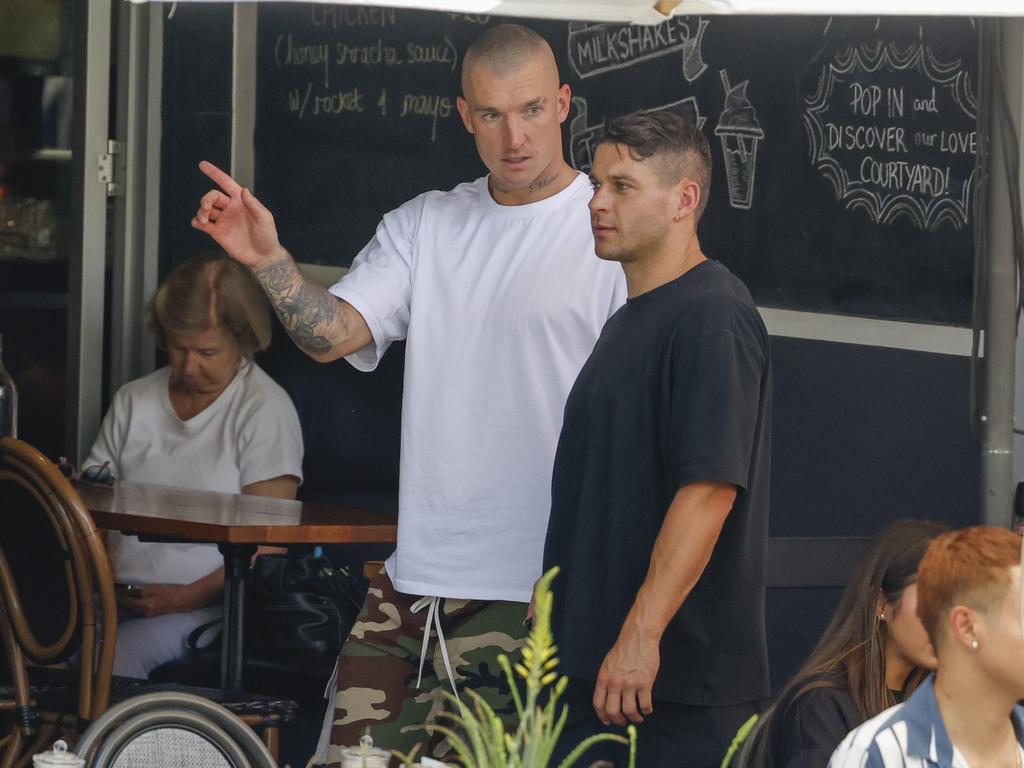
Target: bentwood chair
x,y
169,730
57,601
56,597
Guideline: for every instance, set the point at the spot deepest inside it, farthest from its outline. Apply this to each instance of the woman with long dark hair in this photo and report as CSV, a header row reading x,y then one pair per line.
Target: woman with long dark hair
x,y
872,655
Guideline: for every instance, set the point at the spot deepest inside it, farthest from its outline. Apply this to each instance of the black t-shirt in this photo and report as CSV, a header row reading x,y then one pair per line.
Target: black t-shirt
x,y
676,391
805,729
808,723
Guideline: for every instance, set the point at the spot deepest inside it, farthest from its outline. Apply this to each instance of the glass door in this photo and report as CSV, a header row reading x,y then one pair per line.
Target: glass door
x,y
55,84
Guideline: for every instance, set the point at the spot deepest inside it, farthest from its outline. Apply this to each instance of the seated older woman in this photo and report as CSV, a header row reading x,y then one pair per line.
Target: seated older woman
x,y
211,420
966,715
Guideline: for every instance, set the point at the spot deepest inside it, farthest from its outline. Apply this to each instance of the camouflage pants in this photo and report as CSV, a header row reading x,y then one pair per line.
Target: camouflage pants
x,y
380,661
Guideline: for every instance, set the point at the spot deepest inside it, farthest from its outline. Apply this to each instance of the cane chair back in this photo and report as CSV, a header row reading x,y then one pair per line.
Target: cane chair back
x,y
56,591
171,730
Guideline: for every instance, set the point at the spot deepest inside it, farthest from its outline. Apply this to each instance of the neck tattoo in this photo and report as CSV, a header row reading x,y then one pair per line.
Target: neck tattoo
x,y
542,183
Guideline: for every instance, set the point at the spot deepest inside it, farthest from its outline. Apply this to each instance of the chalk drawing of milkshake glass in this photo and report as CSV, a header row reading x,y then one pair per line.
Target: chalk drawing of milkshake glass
x,y
740,134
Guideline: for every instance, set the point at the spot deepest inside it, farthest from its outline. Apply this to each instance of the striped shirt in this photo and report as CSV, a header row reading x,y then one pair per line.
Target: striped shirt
x,y
909,735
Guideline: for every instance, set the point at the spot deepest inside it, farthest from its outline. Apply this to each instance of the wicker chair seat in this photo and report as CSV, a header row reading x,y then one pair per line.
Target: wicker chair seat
x,y
55,690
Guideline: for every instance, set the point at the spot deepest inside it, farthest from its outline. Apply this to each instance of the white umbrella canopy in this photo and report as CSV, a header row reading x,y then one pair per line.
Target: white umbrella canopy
x,y
650,12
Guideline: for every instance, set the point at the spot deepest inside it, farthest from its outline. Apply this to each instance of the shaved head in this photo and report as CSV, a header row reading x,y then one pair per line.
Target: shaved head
x,y
513,105
505,49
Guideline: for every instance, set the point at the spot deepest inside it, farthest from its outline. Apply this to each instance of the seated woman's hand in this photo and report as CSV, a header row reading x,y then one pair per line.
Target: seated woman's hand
x,y
158,599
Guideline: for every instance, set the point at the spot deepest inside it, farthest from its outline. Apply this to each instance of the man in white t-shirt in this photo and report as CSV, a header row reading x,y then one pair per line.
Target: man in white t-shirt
x,y
496,288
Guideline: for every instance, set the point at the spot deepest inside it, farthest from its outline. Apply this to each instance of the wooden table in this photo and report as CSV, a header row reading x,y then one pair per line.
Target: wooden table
x,y
237,524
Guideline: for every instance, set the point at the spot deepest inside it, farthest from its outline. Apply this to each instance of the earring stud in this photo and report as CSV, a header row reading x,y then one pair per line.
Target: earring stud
x,y
881,616
974,645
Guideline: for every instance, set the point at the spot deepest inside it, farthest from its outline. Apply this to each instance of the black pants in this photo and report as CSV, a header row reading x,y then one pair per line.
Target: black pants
x,y
672,736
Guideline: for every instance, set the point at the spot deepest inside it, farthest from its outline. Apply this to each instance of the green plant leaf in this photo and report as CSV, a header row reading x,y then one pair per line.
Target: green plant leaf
x,y
586,744
461,748
485,741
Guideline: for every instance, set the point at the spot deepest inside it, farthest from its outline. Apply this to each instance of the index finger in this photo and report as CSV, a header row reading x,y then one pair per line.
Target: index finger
x,y
220,178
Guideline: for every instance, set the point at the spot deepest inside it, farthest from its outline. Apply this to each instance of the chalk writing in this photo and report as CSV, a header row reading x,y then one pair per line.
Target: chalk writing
x,y
368,55
338,102
892,129
469,18
288,53
340,16
583,138
316,66
434,53
597,48
291,53
306,102
427,105
298,99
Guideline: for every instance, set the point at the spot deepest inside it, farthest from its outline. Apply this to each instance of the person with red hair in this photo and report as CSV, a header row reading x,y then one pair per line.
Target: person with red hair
x,y
966,715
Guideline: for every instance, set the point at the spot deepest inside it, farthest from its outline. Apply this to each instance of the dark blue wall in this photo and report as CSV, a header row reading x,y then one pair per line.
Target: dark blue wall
x,y
862,436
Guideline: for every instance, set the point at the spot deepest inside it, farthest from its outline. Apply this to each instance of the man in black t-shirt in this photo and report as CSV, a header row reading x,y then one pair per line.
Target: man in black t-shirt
x,y
660,490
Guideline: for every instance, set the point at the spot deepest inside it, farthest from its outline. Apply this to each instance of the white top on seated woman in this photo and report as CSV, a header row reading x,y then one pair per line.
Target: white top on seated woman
x,y
966,715
210,420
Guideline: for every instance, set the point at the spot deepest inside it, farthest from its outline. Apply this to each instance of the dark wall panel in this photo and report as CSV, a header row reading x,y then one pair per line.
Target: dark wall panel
x,y
795,619
196,120
864,435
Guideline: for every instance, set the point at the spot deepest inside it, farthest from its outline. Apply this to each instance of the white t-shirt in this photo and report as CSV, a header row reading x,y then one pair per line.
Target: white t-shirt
x,y
250,433
501,305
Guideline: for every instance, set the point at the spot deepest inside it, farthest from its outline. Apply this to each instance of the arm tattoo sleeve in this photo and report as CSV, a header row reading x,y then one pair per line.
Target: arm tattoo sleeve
x,y
307,310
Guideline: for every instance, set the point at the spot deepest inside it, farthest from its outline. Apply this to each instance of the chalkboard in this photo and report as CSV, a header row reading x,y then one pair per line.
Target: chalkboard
x,y
844,148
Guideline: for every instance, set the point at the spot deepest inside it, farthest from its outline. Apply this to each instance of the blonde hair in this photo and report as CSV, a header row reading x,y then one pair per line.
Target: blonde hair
x,y
210,290
505,48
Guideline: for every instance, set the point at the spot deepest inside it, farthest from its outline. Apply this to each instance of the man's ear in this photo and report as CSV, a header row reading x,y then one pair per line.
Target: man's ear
x,y
463,108
689,195
564,100
962,626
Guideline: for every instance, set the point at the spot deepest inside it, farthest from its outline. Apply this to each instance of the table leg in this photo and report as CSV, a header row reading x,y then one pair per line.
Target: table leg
x,y
232,653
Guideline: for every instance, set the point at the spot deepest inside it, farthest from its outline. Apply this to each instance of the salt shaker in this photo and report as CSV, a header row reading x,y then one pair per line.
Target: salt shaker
x,y
365,755
58,757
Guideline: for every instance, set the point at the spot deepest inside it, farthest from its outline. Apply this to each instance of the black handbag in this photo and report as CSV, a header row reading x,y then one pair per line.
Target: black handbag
x,y
298,612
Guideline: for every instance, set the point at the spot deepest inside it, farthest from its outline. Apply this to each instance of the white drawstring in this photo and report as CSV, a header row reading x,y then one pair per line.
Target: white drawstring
x,y
433,606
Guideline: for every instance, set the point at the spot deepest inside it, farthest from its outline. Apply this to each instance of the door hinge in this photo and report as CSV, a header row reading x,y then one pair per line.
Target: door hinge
x,y
110,168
